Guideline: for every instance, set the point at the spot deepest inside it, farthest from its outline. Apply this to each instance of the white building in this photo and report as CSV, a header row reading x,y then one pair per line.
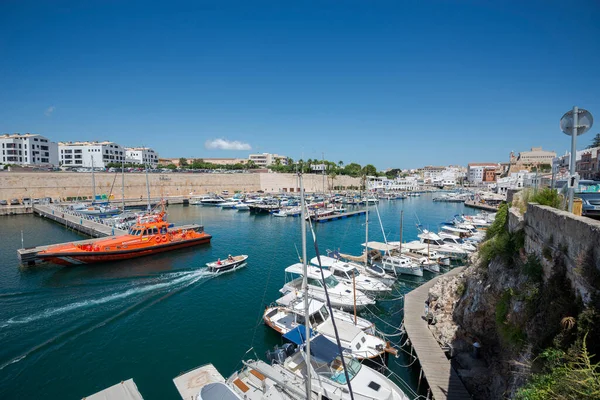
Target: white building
x,y
141,155
407,184
28,149
267,159
476,172
441,176
81,154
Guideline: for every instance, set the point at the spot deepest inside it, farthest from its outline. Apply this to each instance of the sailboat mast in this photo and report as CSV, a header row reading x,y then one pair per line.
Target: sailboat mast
x,y
367,233
93,182
148,188
305,287
401,228
123,181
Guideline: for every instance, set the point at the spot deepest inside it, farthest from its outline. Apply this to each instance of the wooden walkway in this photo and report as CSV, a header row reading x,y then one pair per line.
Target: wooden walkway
x,y
441,377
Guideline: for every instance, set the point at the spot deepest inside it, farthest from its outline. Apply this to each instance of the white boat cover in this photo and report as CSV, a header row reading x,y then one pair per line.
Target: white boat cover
x,y
325,261
411,246
313,272
287,299
190,383
126,390
453,229
347,331
380,246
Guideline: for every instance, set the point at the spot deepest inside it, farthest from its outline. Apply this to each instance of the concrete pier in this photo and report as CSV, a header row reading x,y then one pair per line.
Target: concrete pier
x,y
474,204
333,217
443,381
15,210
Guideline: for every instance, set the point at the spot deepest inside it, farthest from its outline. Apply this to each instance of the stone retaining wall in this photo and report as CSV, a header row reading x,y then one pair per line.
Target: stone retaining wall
x,y
551,233
18,185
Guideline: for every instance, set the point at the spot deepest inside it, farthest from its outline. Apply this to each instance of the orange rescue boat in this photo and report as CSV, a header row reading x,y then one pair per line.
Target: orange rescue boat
x,y
145,238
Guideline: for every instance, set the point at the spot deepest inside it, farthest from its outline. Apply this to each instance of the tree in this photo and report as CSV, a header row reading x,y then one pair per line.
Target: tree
x,y
393,173
172,166
183,162
595,141
332,176
352,169
369,170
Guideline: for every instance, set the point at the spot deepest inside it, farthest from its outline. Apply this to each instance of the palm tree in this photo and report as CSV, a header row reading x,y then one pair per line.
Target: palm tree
x,y
332,176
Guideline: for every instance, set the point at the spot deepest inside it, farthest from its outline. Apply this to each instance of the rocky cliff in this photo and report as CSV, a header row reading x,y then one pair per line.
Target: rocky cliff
x,y
507,307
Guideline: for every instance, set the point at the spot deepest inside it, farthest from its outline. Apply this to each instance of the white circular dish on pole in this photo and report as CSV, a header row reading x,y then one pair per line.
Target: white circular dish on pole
x,y
584,123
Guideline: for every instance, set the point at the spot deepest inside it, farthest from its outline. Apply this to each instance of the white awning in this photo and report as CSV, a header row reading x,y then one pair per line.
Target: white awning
x,y
126,390
380,246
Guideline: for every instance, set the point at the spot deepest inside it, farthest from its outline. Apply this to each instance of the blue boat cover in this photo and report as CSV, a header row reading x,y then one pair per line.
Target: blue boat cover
x,y
297,335
323,349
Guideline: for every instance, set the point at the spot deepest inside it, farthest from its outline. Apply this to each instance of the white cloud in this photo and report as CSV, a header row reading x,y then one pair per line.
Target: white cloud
x,y
49,111
224,144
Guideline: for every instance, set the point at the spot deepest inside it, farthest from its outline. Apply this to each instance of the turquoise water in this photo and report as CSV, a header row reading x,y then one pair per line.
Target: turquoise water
x,y
69,332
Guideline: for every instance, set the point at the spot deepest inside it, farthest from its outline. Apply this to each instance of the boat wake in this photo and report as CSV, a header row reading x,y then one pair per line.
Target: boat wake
x,y
181,281
181,278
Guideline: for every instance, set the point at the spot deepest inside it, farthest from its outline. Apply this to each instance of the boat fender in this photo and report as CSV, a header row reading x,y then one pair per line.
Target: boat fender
x,y
164,238
96,248
157,239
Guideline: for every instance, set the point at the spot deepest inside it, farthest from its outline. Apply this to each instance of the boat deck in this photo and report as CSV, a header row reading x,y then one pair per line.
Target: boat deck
x,y
188,384
441,377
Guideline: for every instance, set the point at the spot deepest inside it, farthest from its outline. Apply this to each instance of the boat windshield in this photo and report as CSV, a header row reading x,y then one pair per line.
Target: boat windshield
x,y
355,271
331,281
324,312
353,367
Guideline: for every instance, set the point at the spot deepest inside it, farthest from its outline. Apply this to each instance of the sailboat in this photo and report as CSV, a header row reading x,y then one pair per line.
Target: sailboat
x,y
96,209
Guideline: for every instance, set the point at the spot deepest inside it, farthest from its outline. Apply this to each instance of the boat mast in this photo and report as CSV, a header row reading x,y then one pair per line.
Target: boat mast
x,y
148,188
401,228
93,182
367,232
123,181
305,288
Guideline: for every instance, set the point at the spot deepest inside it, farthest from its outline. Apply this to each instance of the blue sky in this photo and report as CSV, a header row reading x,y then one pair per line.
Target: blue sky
x,y
392,83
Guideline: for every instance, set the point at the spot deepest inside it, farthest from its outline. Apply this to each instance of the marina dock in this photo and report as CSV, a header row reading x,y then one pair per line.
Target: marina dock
x,y
97,230
443,381
338,216
486,207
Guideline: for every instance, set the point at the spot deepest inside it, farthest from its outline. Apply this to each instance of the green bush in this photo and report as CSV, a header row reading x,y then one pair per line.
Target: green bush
x,y
508,332
500,223
547,197
533,268
566,376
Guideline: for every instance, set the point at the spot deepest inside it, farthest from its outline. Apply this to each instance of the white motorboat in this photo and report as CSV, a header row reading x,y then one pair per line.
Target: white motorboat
x,y
358,262
229,264
228,204
197,200
279,213
395,263
213,201
437,243
288,313
455,240
98,210
349,273
242,207
340,294
429,259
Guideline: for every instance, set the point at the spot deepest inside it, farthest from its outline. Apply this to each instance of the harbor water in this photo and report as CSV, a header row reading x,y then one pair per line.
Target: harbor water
x,y
70,332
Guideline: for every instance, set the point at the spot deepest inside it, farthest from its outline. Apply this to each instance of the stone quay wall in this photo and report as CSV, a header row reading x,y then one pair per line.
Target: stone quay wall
x,y
553,234
18,185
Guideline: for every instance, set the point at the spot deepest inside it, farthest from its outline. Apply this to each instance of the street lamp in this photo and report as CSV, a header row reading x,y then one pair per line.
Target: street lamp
x,y
574,123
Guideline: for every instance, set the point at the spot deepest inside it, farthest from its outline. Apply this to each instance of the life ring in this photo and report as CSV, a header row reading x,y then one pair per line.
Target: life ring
x,y
164,238
157,239
97,248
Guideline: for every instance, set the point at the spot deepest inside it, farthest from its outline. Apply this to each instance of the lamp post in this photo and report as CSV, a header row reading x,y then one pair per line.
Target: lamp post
x,y
574,123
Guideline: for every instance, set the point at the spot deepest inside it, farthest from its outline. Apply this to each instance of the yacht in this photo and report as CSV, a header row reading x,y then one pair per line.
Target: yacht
x,y
349,273
197,200
389,260
213,201
289,321
341,294
288,312
437,243
242,207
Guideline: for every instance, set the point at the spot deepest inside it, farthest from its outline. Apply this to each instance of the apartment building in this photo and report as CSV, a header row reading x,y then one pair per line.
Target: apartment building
x,y
84,154
28,149
141,155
